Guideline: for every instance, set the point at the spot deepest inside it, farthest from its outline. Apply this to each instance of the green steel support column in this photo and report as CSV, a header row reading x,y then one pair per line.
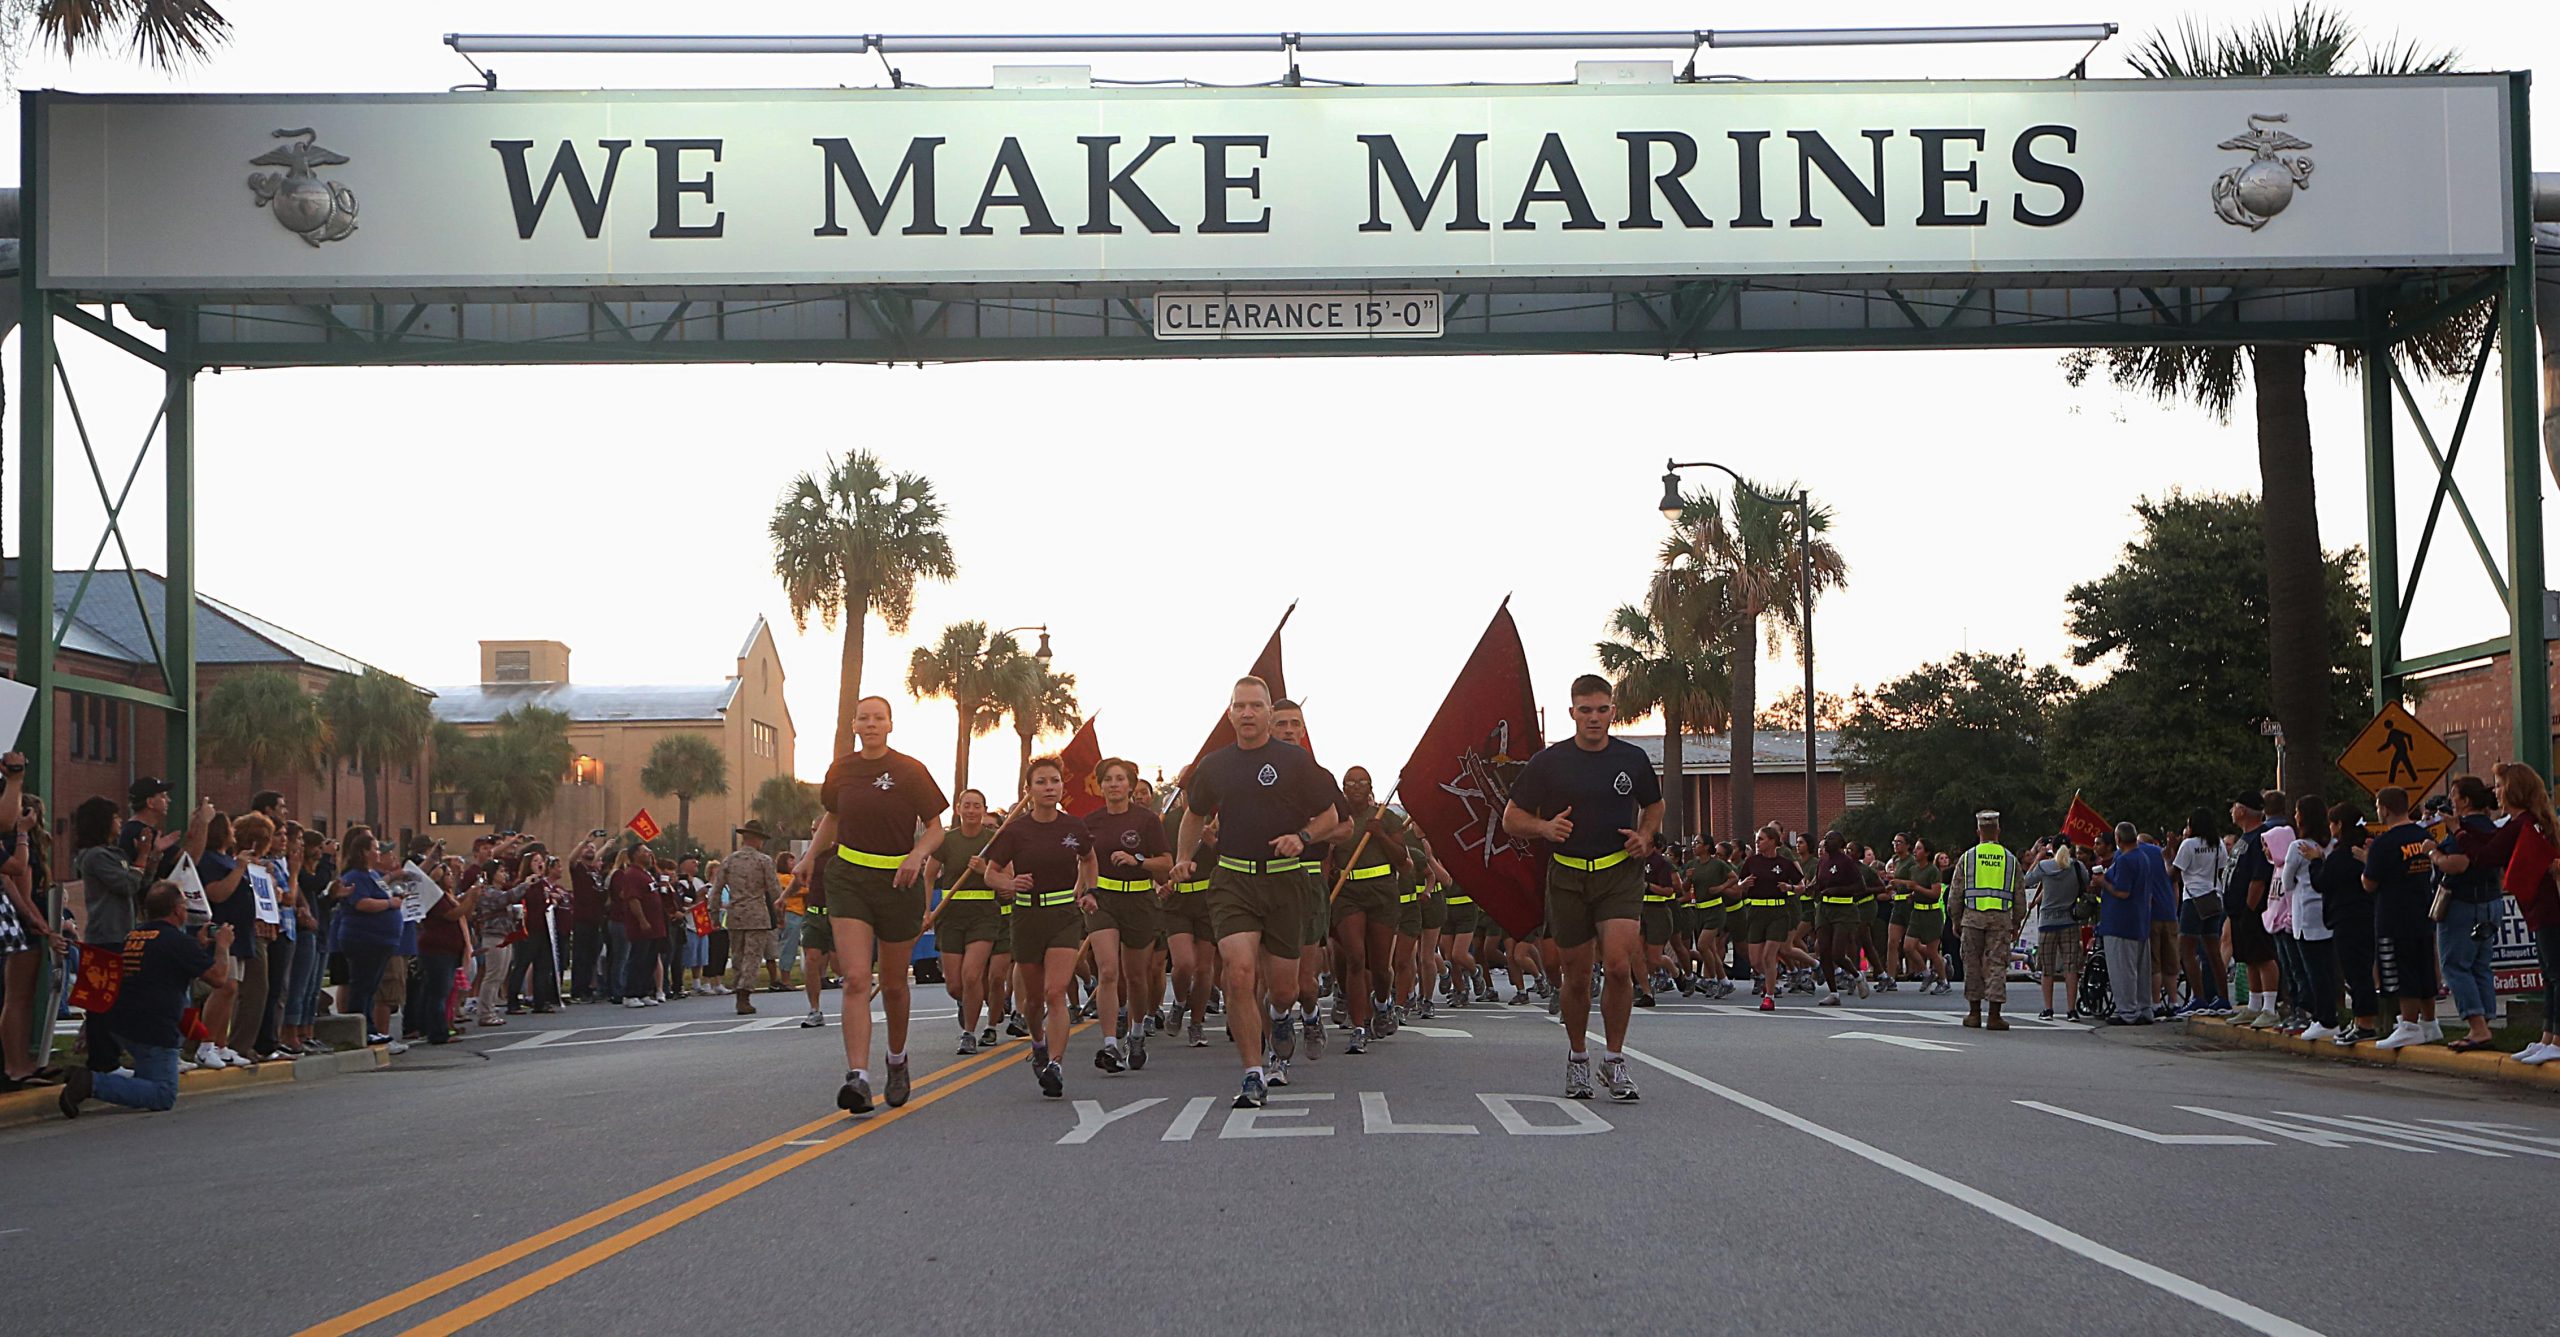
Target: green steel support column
x,y
35,466
178,633
2382,502
2519,373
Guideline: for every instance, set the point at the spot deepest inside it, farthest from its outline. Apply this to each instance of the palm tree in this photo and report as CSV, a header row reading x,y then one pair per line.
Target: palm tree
x,y
970,669
374,717
1687,683
2308,41
263,720
1731,567
513,771
787,804
685,765
851,544
1040,702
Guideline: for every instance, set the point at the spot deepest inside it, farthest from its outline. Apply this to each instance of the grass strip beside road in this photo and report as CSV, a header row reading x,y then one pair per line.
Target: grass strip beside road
x,y
461,1274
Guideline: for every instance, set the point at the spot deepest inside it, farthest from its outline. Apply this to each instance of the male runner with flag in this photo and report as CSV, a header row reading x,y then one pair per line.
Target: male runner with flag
x,y
1272,803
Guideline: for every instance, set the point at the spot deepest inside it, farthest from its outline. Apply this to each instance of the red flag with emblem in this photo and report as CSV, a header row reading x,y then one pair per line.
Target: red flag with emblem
x,y
1083,753
643,825
101,978
1266,666
1459,778
2083,824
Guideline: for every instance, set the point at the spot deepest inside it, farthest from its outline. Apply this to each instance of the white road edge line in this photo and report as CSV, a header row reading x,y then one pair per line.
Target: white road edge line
x,y
2194,1292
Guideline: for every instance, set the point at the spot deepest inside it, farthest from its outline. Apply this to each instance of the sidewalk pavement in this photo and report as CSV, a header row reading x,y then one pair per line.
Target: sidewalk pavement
x,y
2480,1064
37,1104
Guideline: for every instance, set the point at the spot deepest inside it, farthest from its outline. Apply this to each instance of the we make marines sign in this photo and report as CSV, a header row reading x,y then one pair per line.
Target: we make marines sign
x,y
517,191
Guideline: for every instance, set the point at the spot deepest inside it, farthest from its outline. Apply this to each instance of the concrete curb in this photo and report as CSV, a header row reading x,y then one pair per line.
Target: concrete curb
x,y
18,1108
2427,1058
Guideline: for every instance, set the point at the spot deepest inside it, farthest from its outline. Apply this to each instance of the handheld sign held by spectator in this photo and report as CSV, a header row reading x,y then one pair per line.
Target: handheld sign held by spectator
x,y
643,825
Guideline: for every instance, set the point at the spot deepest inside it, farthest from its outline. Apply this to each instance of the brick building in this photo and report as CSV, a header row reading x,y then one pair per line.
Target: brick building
x,y
614,726
1777,775
102,744
2472,709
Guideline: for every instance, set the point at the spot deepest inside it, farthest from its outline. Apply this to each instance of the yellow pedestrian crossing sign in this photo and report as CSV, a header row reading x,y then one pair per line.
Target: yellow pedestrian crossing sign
x,y
2396,750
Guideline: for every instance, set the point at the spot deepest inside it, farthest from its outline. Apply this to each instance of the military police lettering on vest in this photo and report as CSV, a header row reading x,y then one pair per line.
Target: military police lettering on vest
x,y
1986,882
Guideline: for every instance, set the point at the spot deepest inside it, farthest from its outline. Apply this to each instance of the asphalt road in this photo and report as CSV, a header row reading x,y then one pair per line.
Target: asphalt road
x,y
1866,1169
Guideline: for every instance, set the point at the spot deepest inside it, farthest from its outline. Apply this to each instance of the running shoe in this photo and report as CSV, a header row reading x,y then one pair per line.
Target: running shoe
x,y
814,1019
1831,999
1253,1094
1107,1057
2351,1034
1614,1075
1359,1042
1138,1046
2403,1035
1013,1025
987,1038
1284,1039
1315,1038
1555,1002
1519,996
2433,1027
1683,985
1768,1003
1423,1008
1053,1083
1644,999
1577,1079
1862,985
898,1086
1460,1002
1198,1040
2047,1015
2538,1053
968,1043
2316,1031
854,1097
1277,1072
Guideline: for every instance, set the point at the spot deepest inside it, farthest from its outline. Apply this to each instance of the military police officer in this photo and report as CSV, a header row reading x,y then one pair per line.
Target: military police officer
x,y
1986,889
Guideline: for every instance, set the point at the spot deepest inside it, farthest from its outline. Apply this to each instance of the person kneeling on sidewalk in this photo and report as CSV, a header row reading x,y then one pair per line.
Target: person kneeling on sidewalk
x,y
161,959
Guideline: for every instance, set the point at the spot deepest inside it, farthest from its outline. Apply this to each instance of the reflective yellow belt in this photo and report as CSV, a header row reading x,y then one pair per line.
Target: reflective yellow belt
x,y
1767,901
1373,870
1048,899
1404,898
1115,884
1651,899
1460,898
1234,865
979,894
1839,900
1189,887
1609,860
854,856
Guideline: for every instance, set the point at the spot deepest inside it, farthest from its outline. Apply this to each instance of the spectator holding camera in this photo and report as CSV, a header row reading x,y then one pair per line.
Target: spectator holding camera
x,y
163,960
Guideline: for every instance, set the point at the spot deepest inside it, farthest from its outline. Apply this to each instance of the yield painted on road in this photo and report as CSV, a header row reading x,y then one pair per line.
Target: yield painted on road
x,y
1311,1114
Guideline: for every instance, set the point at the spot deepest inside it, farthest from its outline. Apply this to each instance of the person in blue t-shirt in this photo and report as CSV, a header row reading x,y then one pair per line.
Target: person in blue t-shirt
x,y
2136,878
162,960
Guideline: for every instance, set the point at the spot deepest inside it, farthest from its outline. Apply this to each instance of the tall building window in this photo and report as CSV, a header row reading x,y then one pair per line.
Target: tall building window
x,y
93,721
2458,742
513,666
762,738
77,702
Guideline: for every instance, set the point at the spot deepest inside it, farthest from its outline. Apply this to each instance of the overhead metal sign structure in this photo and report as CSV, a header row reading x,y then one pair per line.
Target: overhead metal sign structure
x,y
1634,214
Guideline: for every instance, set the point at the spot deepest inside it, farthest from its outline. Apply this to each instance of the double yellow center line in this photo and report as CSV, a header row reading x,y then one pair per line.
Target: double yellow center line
x,y
495,1301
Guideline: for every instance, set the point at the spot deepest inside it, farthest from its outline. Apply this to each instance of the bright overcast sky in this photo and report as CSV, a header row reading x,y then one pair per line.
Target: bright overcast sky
x,y
403,515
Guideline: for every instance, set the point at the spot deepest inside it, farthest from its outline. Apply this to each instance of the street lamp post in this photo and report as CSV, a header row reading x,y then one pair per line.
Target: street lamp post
x,y
1041,654
1803,504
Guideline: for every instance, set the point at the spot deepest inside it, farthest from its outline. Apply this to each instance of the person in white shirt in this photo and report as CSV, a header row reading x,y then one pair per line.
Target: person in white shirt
x,y
2200,865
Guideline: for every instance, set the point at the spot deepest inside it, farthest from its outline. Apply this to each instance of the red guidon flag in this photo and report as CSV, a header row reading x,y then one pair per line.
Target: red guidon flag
x,y
1082,754
101,977
1459,778
643,825
2083,824
1266,666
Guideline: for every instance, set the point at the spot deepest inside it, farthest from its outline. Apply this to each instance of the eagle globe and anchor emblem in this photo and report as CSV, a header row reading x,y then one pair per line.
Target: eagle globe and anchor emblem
x,y
2253,193
315,210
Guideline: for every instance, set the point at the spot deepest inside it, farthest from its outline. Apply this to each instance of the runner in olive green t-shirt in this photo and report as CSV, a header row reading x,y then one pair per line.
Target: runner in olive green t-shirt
x,y
965,921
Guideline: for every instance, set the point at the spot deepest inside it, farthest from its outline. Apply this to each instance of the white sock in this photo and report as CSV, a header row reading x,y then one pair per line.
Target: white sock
x,y
1579,1056
1111,1042
862,1074
1254,1071
898,1060
1608,1057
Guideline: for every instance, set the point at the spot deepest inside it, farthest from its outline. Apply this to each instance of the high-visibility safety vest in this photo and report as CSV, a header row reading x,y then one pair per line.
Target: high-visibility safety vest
x,y
1990,890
